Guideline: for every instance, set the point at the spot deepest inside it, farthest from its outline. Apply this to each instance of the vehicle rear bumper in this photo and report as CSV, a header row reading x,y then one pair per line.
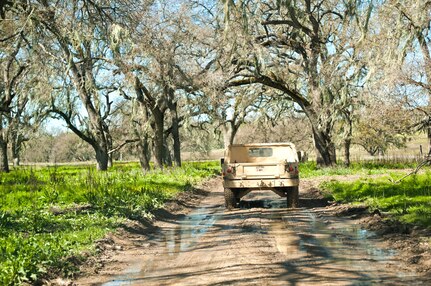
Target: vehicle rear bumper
x,y
263,183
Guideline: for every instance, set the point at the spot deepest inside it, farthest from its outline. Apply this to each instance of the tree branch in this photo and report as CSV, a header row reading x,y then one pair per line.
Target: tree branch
x,y
128,141
72,127
271,83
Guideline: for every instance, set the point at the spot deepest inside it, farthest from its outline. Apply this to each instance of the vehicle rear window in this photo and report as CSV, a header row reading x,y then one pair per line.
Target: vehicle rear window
x,y
260,152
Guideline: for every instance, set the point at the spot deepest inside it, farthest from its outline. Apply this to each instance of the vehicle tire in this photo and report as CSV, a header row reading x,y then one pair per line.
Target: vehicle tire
x,y
229,198
293,197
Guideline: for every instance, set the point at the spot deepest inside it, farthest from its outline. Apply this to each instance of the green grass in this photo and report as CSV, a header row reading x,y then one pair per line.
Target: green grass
x,y
310,168
50,216
409,201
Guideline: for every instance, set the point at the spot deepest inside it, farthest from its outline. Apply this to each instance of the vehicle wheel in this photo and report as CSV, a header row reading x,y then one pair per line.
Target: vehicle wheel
x,y
293,197
229,198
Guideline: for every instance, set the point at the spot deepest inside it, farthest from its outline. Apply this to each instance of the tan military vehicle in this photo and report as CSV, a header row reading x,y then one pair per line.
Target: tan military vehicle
x,y
265,166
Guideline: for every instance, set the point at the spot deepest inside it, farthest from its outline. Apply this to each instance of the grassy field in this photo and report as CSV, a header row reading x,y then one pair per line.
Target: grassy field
x,y
51,216
408,201
367,167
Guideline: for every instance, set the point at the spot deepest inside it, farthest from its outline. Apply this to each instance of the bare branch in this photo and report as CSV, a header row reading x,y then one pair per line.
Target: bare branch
x,y
128,141
271,83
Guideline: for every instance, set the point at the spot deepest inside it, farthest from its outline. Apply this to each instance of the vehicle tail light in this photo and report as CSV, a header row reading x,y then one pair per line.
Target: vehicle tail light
x,y
291,168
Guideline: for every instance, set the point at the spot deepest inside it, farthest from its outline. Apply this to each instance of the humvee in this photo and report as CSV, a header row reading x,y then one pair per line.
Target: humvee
x,y
264,166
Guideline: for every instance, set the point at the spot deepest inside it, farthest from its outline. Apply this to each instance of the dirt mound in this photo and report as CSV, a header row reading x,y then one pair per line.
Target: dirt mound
x,y
353,211
411,242
311,196
416,251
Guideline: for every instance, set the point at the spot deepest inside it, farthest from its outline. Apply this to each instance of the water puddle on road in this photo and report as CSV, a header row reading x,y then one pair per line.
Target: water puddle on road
x,y
190,229
322,245
173,241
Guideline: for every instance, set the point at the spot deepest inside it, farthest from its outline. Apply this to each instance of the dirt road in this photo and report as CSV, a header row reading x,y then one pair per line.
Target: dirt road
x,y
263,243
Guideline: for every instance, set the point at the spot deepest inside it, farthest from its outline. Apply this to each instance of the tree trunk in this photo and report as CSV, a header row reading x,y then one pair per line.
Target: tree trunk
x,y
325,149
15,152
429,134
102,158
348,138
158,137
229,133
176,134
347,144
4,166
109,143
226,137
15,143
144,154
110,160
167,158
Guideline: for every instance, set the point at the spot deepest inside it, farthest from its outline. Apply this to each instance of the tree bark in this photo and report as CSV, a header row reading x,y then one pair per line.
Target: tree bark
x,y
109,142
4,166
429,128
99,142
347,144
158,136
110,161
325,149
348,138
226,136
176,134
167,158
144,150
102,158
144,154
157,109
229,132
16,147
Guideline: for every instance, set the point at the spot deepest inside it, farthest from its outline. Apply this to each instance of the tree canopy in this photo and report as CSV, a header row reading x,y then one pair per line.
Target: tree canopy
x,y
145,75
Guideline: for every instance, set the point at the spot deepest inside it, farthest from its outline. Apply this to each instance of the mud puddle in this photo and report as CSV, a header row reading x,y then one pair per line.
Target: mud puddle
x,y
336,250
263,243
178,238
187,234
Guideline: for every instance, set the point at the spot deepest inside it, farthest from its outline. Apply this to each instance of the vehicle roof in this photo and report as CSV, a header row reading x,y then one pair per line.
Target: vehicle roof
x,y
285,144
